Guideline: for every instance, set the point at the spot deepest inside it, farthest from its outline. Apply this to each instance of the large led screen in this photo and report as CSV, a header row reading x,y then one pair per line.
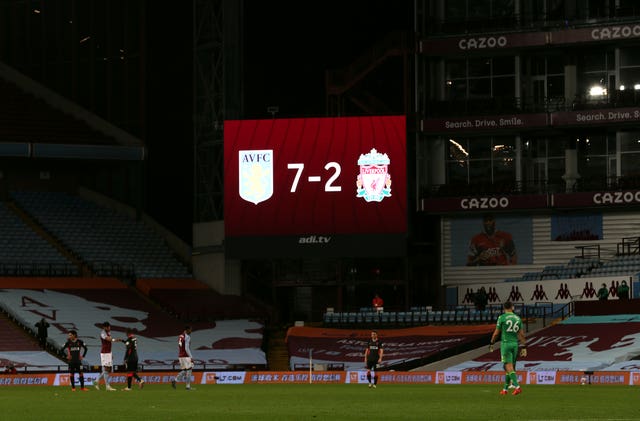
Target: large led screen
x,y
315,186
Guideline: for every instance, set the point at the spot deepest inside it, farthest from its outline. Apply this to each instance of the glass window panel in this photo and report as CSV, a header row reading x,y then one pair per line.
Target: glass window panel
x,y
556,147
456,69
480,171
534,10
630,77
611,60
555,171
595,61
457,172
629,141
555,10
504,66
555,65
534,148
458,150
455,9
538,66
479,67
503,8
504,86
555,86
479,9
503,147
480,148
479,88
595,9
457,90
611,144
593,167
630,164
589,80
504,170
504,154
594,144
629,57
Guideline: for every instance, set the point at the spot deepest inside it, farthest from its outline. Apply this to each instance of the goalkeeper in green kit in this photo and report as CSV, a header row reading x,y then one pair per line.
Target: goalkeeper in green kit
x,y
509,328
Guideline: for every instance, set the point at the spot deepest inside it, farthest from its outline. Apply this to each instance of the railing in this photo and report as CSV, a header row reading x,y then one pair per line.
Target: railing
x,y
394,43
8,268
110,268
590,251
629,245
455,314
63,368
529,187
512,105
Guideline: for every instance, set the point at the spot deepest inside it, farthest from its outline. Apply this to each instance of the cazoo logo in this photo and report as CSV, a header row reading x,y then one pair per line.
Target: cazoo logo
x,y
485,203
618,197
616,32
481,43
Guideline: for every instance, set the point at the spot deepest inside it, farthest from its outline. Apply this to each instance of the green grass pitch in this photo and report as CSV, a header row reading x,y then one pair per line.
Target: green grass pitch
x,y
322,402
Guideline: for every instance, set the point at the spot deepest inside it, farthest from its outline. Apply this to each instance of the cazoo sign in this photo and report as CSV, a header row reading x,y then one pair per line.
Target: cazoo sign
x,y
485,203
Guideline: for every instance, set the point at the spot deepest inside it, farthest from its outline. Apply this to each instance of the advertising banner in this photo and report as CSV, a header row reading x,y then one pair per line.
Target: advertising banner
x,y
593,117
484,123
602,198
451,377
484,203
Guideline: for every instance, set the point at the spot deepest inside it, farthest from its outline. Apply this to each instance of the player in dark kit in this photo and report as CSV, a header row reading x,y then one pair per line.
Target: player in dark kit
x,y
373,357
72,349
131,360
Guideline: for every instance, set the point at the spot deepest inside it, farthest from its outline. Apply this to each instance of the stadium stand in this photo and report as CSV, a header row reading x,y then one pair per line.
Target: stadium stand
x,y
74,303
604,343
105,240
191,300
12,338
416,316
404,348
23,252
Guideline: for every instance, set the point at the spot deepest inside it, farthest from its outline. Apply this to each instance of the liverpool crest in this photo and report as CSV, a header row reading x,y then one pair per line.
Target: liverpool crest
x,y
373,182
255,176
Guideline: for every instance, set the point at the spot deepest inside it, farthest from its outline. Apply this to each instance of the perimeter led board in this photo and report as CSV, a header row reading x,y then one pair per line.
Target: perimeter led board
x,y
315,187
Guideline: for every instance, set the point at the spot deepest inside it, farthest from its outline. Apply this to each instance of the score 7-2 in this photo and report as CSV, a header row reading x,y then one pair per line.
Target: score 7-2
x,y
328,186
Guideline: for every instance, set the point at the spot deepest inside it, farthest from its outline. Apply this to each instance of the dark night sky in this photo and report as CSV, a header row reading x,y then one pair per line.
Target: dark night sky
x,y
288,46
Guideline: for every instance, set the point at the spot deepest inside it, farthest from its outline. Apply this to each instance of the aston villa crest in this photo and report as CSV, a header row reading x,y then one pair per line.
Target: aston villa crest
x,y
373,182
255,176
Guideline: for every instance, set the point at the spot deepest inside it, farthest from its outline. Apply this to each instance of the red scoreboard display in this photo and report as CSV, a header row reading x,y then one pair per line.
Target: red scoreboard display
x,y
315,187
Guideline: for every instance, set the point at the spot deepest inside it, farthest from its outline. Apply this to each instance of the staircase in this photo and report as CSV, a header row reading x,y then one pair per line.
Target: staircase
x,y
347,82
277,352
14,338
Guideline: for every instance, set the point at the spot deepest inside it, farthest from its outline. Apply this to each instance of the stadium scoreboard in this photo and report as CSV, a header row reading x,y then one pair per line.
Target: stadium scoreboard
x,y
315,187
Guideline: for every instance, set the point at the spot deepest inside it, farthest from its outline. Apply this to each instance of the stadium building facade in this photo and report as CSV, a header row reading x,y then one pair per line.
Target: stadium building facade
x,y
529,111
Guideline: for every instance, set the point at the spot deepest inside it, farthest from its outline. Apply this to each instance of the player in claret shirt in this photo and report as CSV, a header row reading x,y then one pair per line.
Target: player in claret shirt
x,y
185,357
73,348
373,357
131,360
106,357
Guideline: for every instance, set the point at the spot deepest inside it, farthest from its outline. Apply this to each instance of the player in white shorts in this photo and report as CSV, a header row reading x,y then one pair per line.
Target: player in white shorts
x,y
185,357
106,357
